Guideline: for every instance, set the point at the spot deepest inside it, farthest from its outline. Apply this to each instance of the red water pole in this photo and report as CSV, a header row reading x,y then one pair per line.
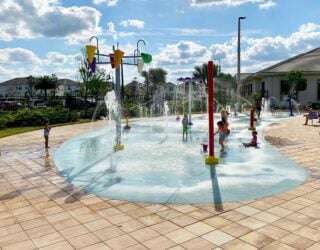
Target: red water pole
x,y
210,107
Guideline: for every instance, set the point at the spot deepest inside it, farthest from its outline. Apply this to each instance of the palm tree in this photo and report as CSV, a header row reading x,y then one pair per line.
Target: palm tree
x,y
46,82
201,72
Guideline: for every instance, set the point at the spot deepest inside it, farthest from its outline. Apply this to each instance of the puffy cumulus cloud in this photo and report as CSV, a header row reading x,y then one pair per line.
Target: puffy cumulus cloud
x,y
36,18
19,62
108,2
134,23
14,56
263,4
183,52
257,53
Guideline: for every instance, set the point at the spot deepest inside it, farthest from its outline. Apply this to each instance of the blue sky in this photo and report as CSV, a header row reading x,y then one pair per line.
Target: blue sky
x,y
46,36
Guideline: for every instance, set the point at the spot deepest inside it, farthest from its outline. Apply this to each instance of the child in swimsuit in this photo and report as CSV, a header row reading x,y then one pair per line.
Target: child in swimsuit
x,y
222,135
254,140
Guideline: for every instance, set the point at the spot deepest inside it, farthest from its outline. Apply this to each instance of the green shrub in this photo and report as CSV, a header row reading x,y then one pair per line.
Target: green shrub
x,y
36,117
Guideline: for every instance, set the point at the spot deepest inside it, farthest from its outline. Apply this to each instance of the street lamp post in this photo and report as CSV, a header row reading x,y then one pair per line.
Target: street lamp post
x,y
239,59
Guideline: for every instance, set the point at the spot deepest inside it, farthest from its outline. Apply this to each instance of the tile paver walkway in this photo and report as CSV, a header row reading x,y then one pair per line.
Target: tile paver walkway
x,y
40,210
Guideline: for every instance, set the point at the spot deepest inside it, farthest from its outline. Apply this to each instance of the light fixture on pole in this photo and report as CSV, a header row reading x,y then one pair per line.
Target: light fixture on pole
x,y
239,59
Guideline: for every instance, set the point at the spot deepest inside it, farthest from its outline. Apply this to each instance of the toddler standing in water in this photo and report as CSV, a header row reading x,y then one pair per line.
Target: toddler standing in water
x,y
46,132
185,123
222,135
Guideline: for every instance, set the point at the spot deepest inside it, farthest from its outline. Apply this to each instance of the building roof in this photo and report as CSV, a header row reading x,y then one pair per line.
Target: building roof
x,y
305,62
24,80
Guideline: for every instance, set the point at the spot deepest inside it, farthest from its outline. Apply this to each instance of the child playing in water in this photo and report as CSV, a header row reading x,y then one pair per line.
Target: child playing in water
x,y
254,140
46,132
185,124
224,119
222,135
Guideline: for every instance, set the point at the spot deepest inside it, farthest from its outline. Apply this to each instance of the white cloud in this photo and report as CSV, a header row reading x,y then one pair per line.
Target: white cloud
x,y
181,53
108,2
263,4
37,18
9,56
20,62
257,53
135,23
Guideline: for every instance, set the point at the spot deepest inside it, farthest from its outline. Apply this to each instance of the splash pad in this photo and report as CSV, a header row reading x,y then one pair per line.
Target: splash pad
x,y
157,167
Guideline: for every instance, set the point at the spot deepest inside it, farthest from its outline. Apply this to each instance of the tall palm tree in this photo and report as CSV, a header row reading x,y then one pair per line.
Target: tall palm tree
x,y
201,72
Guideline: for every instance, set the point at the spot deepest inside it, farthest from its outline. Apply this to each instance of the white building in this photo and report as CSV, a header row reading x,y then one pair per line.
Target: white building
x,y
23,87
269,81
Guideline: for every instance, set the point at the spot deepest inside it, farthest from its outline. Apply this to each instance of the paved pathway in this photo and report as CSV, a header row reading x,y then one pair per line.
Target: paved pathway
x,y
39,210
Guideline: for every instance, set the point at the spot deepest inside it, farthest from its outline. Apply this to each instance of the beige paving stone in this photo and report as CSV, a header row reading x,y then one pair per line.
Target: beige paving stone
x,y
169,214
273,232
84,240
198,243
315,224
108,233
131,225
233,216
218,237
199,228
297,241
309,233
300,218
13,238
137,247
25,245
165,227
121,242
183,220
97,224
47,240
279,211
291,206
266,217
160,242
137,213
40,231
314,247
64,224
99,206
176,248
217,222
185,208
287,224
248,210
252,223
256,239
15,228
74,231
98,246
63,245
278,246
144,234
200,214
150,219
181,235
118,219
239,245
236,230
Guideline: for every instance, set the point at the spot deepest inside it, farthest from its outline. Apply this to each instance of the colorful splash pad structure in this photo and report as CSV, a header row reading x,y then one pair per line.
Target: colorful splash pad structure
x,y
116,60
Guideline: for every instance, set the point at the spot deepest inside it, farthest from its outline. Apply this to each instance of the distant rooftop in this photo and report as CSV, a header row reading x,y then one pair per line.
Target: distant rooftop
x,y
306,62
23,80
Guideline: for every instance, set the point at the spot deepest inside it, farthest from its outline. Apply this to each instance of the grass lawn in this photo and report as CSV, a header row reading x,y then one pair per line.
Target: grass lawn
x,y
18,130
